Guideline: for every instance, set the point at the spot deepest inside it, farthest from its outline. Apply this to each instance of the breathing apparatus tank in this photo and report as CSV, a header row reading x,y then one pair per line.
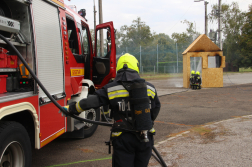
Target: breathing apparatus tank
x,y
140,107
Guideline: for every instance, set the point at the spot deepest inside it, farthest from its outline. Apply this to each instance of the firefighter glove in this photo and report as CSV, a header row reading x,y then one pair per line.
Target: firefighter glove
x,y
71,108
65,108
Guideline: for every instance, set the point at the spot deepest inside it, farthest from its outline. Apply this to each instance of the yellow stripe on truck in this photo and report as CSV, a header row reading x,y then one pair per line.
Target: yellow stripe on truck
x,y
52,137
59,2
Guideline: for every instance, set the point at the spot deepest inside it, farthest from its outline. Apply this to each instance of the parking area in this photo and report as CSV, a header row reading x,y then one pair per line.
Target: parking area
x,y
181,110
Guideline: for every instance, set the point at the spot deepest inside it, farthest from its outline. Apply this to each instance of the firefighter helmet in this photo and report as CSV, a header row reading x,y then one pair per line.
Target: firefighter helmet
x,y
127,61
198,73
192,72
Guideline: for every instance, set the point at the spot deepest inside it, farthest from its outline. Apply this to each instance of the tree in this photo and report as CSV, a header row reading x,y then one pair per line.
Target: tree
x,y
166,47
232,20
130,38
245,40
184,39
136,34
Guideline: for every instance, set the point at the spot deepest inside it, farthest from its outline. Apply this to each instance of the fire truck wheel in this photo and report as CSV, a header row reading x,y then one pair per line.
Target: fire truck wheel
x,y
15,146
92,114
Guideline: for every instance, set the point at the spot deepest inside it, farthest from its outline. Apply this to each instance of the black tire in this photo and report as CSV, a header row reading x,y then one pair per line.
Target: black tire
x,y
91,128
15,145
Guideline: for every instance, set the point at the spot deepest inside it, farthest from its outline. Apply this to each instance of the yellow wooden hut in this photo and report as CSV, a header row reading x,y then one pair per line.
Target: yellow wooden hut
x,y
212,72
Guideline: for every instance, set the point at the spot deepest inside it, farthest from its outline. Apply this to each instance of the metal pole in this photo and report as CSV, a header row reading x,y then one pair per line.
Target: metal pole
x,y
220,40
154,69
177,56
157,58
101,31
140,57
94,17
206,19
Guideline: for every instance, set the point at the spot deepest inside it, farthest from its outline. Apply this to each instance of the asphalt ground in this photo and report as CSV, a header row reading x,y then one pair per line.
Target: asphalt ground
x,y
180,112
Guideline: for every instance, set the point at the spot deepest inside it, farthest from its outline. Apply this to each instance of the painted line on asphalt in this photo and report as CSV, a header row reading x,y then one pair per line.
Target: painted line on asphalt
x,y
91,160
170,123
173,93
171,138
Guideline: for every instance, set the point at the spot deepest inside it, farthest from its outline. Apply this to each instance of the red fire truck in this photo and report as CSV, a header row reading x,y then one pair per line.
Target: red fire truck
x,y
56,43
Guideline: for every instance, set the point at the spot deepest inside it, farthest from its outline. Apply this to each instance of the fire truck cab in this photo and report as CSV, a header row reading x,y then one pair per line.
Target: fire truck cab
x,y
56,43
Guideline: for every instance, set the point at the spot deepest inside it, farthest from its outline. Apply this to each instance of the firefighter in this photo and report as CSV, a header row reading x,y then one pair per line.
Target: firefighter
x,y
198,80
192,80
134,106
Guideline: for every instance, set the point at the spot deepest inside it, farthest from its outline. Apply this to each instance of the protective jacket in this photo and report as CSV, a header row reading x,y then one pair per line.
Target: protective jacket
x,y
198,79
192,78
116,96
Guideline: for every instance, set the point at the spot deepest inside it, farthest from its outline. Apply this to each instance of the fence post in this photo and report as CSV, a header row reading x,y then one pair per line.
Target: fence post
x,y
157,58
154,69
140,58
177,55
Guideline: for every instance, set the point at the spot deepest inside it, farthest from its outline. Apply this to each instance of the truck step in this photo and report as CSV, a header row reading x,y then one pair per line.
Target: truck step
x,y
79,126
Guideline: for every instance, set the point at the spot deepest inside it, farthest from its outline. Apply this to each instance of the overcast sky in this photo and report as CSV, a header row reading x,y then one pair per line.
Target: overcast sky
x,y
163,16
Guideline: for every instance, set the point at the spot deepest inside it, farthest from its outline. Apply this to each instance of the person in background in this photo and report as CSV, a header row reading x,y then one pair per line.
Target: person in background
x,y
198,80
192,80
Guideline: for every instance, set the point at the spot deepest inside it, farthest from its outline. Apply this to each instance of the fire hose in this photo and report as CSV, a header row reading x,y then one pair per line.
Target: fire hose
x,y
161,161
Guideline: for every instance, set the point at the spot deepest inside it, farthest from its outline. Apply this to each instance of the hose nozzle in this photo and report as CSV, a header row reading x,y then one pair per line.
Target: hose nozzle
x,y
144,136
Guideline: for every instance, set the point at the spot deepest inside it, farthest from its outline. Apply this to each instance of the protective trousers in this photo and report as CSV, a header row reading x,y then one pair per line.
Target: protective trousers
x,y
128,151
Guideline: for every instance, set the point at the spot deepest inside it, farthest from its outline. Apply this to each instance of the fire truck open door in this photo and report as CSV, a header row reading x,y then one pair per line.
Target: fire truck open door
x,y
104,61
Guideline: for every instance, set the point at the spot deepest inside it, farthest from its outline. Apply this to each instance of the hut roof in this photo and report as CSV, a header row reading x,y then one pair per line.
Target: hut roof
x,y
202,44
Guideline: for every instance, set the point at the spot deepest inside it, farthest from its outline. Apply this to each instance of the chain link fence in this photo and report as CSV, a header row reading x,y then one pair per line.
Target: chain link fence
x,y
154,59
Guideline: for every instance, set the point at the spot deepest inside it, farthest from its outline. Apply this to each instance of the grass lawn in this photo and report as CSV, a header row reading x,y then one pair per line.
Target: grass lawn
x,y
151,76
245,69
